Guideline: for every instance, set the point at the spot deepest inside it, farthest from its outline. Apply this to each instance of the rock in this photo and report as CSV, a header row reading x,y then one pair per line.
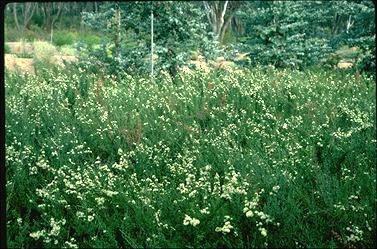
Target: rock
x,y
344,64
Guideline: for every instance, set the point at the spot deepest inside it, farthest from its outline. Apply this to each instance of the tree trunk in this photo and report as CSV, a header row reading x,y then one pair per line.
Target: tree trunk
x,y
15,16
49,17
336,25
27,11
216,12
117,35
225,27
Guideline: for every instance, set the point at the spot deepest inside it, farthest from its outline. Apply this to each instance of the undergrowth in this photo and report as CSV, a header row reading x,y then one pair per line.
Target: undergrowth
x,y
253,159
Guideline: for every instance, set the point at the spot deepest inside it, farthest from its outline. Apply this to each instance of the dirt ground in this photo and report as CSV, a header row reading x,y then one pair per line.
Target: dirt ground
x,y
12,62
21,64
21,47
26,64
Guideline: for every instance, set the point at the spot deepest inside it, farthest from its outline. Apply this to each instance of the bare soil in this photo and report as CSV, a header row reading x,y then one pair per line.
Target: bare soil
x,y
19,64
21,47
14,63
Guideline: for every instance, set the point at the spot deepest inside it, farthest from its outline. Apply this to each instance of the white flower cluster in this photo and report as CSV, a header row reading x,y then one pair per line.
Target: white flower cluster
x,y
55,231
36,235
55,226
190,221
226,227
275,189
110,193
204,211
233,185
250,210
71,244
356,234
100,200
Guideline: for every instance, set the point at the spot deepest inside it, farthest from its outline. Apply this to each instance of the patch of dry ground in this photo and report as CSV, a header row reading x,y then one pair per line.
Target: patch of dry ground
x,y
19,64
14,63
20,47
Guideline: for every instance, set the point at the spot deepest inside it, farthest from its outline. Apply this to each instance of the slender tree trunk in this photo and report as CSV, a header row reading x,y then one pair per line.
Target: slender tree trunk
x,y
335,28
15,16
29,12
225,27
117,32
216,15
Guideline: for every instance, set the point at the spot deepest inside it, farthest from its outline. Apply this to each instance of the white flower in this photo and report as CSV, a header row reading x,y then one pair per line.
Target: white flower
x,y
79,214
204,211
263,231
225,229
249,213
91,217
100,200
110,193
36,235
276,188
192,221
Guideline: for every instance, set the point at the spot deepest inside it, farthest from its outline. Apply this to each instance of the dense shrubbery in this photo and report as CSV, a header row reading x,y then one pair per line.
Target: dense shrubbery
x,y
292,34
254,159
89,39
44,52
61,38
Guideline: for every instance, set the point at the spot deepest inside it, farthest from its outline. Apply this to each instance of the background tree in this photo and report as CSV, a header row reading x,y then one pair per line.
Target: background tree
x,y
220,15
300,34
22,13
178,30
51,13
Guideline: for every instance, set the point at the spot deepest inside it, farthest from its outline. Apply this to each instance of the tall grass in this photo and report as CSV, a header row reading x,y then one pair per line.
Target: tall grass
x,y
253,159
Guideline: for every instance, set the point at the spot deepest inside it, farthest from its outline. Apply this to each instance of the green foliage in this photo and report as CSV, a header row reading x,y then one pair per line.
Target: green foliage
x,y
89,39
259,158
24,55
301,34
64,37
367,62
347,53
7,49
61,38
37,20
285,34
11,34
177,30
67,50
44,52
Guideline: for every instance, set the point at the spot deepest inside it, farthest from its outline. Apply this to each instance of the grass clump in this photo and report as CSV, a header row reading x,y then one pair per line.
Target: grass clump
x,y
44,52
253,159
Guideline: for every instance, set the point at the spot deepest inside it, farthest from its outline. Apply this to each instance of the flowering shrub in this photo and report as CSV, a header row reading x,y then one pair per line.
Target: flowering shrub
x,y
252,159
44,52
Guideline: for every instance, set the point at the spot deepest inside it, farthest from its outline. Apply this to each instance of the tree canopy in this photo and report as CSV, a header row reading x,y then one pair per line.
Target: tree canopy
x,y
282,33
